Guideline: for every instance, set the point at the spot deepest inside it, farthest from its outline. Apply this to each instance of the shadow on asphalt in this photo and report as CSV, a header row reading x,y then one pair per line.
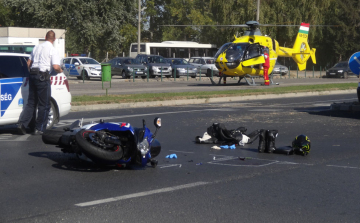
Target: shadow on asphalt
x,y
71,162
338,114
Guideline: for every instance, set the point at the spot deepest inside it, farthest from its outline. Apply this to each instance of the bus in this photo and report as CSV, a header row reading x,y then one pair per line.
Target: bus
x,y
16,48
174,49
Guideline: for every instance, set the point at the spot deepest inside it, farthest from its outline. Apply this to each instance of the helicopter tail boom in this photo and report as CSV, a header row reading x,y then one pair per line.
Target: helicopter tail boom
x,y
301,51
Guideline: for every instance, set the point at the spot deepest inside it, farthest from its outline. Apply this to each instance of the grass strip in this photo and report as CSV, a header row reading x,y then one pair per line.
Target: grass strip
x,y
113,99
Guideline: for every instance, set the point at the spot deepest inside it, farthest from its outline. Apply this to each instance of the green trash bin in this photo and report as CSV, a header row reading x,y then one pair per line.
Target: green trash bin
x,y
106,72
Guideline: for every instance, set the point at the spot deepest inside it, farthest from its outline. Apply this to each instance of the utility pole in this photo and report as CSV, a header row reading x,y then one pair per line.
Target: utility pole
x,y
139,28
258,11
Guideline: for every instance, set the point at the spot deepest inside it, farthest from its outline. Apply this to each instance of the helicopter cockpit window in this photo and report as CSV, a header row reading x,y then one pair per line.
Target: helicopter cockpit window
x,y
235,51
222,49
252,51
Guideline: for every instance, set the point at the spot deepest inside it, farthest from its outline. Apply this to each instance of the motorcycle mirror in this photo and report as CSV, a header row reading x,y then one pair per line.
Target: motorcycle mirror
x,y
144,123
157,122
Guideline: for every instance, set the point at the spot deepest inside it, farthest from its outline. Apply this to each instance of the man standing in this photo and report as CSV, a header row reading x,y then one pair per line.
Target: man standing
x,y
44,59
266,66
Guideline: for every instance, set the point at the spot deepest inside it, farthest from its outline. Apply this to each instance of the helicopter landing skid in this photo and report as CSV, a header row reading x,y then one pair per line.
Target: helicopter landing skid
x,y
271,80
214,83
252,83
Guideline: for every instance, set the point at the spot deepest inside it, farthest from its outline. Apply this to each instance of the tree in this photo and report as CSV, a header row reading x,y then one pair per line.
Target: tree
x,y
4,15
93,25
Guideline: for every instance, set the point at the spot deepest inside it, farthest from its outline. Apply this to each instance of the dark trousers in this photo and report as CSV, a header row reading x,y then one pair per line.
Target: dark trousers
x,y
39,96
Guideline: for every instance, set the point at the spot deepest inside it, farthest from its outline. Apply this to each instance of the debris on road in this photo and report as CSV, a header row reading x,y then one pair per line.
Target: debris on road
x,y
215,147
171,156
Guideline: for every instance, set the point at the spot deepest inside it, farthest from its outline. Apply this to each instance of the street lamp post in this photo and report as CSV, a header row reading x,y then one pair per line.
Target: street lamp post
x,y
258,11
139,27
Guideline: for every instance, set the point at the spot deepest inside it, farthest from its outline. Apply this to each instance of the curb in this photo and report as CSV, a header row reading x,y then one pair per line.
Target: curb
x,y
203,101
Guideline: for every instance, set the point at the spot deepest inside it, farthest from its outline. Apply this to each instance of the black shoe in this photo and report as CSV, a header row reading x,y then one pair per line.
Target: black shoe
x,y
262,141
37,132
21,129
270,140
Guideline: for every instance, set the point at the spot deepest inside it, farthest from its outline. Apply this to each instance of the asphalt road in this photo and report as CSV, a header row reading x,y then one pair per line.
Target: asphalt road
x,y
121,86
39,183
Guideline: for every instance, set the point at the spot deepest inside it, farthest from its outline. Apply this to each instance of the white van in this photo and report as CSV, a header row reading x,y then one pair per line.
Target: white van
x,y
14,87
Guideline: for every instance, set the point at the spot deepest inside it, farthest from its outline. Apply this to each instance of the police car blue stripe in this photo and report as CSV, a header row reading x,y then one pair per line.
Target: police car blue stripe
x,y
9,88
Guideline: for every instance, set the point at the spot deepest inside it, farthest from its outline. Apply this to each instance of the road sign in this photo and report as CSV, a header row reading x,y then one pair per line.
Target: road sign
x,y
354,63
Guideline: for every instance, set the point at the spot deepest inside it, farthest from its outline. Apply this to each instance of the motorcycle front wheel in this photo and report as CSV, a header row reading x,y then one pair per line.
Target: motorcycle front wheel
x,y
85,141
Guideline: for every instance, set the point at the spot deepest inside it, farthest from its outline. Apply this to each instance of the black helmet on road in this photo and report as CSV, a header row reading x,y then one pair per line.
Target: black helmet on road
x,y
301,145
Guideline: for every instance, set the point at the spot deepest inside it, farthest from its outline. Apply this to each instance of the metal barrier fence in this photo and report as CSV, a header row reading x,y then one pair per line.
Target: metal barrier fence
x,y
312,73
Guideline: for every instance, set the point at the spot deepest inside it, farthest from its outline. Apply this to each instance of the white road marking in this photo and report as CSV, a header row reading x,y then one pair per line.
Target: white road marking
x,y
218,160
171,165
142,194
67,121
20,138
346,167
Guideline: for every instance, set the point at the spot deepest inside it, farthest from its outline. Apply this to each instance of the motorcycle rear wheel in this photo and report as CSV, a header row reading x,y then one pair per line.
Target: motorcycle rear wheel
x,y
94,152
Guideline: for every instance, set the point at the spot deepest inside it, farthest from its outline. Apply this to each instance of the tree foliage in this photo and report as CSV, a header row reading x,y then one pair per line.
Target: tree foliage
x,y
91,25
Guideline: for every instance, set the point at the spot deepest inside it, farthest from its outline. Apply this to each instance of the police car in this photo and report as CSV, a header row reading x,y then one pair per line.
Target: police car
x,y
14,87
74,66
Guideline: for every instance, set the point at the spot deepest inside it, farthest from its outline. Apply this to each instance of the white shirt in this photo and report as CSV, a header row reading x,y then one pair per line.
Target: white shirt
x,y
44,56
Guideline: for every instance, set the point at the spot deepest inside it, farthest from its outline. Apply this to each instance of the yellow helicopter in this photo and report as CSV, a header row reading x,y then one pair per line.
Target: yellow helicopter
x,y
244,56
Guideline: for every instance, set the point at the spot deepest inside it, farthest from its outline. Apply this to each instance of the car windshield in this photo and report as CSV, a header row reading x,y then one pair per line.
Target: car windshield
x,y
88,61
180,62
156,59
209,61
343,64
131,61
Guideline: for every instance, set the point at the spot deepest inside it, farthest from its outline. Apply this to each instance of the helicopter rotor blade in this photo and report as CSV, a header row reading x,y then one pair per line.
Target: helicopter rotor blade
x,y
291,25
242,25
247,26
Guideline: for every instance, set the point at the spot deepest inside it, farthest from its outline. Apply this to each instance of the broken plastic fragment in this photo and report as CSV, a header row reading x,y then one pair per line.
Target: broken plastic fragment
x,y
215,147
232,147
171,156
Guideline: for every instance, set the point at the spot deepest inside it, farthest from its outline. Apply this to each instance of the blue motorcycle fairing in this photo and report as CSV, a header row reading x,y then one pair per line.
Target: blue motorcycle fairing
x,y
144,160
148,135
112,126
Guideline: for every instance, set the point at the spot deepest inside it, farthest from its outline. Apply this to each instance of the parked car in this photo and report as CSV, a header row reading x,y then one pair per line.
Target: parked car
x,y
280,69
182,67
156,65
73,67
206,64
340,69
14,85
127,67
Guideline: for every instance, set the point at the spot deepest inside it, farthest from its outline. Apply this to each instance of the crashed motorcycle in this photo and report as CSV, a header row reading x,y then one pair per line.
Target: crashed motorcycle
x,y
108,143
